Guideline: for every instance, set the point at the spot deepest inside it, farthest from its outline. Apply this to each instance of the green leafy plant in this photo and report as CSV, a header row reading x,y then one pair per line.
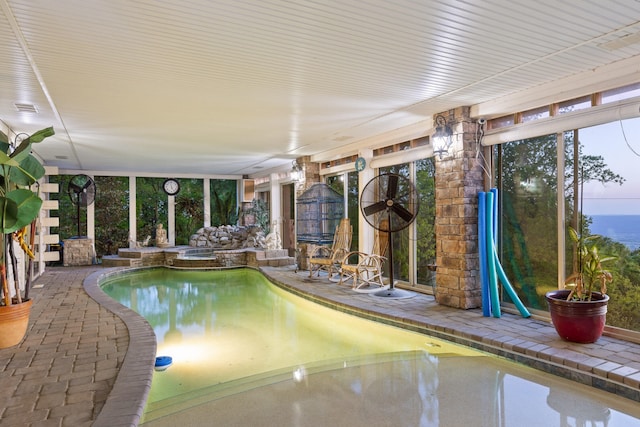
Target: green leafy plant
x,y
19,204
589,274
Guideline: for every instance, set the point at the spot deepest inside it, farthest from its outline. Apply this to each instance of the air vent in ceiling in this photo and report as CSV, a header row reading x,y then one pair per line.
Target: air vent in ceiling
x,y
26,108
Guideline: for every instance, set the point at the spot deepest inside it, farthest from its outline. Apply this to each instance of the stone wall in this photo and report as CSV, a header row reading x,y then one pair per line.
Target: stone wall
x,y
78,252
228,237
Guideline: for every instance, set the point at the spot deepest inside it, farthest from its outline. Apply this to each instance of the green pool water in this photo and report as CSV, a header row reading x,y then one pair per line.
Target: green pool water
x,y
238,341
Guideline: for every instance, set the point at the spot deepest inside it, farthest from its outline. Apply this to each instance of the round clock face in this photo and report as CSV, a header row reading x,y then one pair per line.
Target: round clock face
x,y
171,186
360,164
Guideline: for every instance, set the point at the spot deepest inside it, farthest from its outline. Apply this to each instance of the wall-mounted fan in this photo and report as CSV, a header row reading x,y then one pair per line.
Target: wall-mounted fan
x,y
82,192
390,203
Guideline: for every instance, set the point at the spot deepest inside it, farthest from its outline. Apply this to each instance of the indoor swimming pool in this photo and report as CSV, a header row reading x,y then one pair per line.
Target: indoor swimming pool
x,y
247,353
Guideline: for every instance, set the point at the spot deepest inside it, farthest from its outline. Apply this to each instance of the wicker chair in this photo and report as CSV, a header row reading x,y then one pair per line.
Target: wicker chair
x,y
368,270
324,258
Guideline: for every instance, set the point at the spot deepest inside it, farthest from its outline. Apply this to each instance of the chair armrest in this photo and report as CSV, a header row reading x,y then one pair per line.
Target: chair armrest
x,y
372,260
345,258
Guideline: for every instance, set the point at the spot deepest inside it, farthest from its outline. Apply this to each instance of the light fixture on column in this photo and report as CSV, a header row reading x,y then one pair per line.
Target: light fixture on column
x,y
296,171
442,137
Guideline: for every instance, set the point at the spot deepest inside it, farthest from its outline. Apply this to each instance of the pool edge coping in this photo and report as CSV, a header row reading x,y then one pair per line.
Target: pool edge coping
x,y
128,396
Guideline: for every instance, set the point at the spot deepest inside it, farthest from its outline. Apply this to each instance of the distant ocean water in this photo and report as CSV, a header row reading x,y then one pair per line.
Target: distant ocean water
x,y
621,228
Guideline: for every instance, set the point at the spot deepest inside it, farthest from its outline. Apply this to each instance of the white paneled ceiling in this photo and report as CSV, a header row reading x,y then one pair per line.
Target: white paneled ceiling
x,y
232,87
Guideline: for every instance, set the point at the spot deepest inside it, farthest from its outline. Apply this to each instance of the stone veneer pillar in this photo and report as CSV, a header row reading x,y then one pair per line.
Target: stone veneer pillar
x,y
310,174
458,179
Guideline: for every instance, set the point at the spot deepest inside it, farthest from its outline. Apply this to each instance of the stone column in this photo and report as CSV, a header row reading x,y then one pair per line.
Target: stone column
x,y
310,174
459,178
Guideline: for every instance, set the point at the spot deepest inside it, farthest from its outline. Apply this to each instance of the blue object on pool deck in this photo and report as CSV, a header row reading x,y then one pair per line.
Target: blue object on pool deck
x,y
482,246
491,261
492,271
163,362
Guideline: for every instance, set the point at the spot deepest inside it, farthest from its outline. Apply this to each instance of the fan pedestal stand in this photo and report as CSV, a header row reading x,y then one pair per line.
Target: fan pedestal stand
x,y
393,293
386,198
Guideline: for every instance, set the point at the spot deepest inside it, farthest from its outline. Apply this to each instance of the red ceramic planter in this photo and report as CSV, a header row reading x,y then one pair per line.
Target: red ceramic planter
x,y
578,321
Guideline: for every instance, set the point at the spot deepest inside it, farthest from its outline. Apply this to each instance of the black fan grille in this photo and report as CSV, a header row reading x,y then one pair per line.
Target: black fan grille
x,y
82,190
389,197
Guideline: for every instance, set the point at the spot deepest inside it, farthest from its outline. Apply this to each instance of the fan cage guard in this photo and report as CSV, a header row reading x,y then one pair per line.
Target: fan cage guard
x,y
319,211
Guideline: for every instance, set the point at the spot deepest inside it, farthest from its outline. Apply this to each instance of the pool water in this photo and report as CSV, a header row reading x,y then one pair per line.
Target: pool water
x,y
253,354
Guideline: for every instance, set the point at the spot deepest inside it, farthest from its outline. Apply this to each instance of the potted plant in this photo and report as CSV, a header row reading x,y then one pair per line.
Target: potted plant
x,y
19,207
578,312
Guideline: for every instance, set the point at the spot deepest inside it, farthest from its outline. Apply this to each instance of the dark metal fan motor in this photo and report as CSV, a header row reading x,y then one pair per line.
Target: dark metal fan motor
x,y
390,203
82,192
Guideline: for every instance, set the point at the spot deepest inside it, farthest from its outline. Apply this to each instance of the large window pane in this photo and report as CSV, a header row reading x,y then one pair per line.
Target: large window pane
x,y
111,214
425,221
224,202
189,209
151,206
400,238
353,207
609,159
527,186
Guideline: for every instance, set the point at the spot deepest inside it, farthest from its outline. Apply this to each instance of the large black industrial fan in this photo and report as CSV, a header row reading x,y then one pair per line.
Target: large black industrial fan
x,y
389,203
82,192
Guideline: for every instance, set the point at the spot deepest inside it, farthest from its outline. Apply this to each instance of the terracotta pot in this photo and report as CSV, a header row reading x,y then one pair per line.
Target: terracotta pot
x,y
14,320
578,321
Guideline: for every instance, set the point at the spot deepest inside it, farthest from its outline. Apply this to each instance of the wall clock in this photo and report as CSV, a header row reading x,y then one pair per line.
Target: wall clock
x,y
171,186
361,163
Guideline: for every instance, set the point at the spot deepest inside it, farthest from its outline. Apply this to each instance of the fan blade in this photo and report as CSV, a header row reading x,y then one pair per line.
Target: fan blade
x,y
402,212
392,187
87,184
75,187
375,208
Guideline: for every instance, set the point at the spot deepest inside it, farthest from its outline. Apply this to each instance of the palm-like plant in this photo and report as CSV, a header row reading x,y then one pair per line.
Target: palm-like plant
x,y
589,272
19,205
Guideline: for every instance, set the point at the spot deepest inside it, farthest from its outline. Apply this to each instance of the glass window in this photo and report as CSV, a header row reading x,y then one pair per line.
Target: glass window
x,y
609,206
574,104
151,206
336,182
189,210
621,93
111,214
353,207
224,201
527,237
425,222
535,114
501,122
401,245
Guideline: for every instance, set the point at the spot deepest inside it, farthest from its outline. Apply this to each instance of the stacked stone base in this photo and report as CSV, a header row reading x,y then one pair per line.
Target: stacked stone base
x,y
178,257
78,252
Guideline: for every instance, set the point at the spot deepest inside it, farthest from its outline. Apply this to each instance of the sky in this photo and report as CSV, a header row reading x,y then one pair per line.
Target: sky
x,y
622,156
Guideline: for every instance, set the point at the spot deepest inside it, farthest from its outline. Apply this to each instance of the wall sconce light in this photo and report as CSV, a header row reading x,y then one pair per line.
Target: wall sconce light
x,y
442,137
296,171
